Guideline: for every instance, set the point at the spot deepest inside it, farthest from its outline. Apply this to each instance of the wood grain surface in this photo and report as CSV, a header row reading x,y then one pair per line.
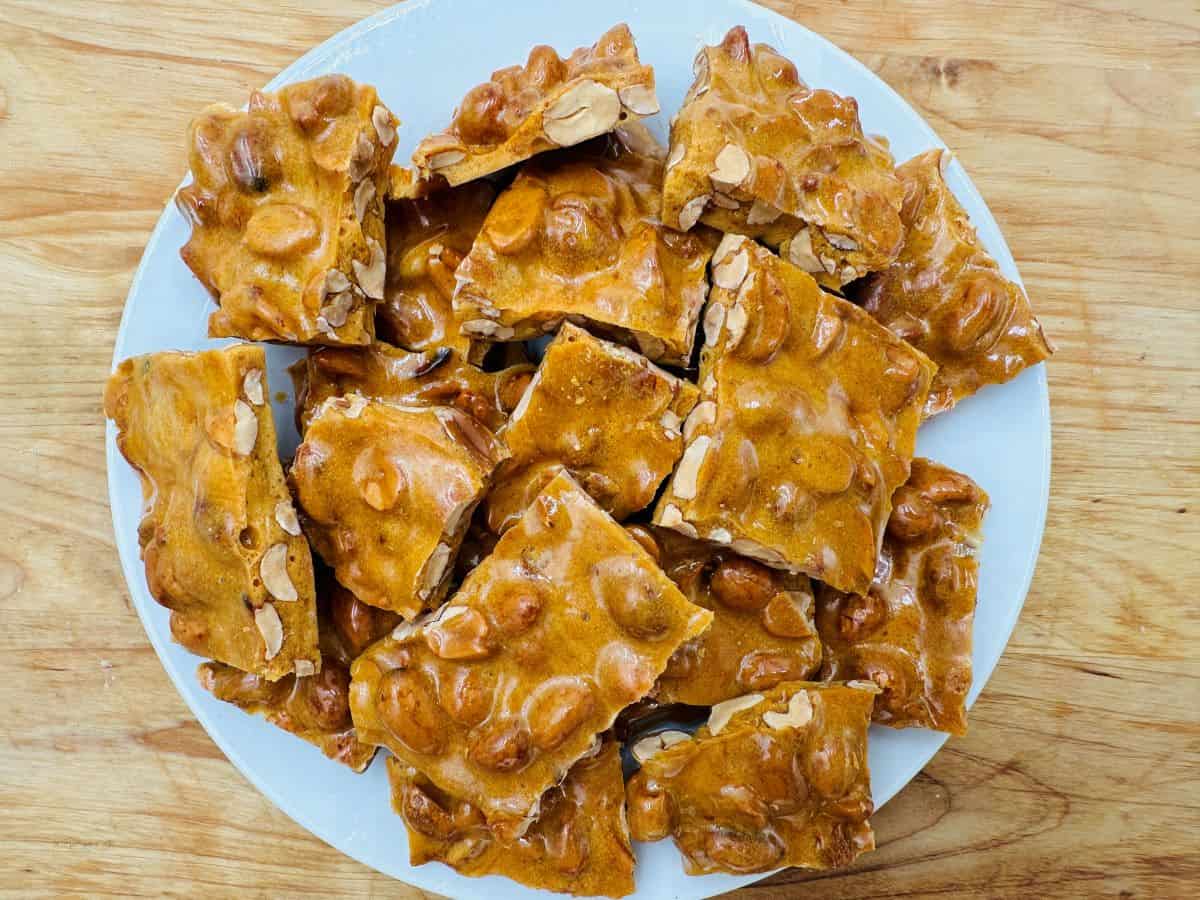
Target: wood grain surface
x,y
1078,122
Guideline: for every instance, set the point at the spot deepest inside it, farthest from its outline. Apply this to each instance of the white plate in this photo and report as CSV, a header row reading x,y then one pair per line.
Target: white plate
x,y
422,57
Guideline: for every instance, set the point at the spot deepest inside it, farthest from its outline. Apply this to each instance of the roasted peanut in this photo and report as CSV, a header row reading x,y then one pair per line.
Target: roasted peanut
x,y
504,746
912,515
860,615
378,477
557,709
323,700
762,669
740,851
651,814
462,632
516,218
567,846
622,674
480,118
255,162
424,814
789,615
516,611
743,584
466,693
544,69
631,597
410,711
979,315
830,766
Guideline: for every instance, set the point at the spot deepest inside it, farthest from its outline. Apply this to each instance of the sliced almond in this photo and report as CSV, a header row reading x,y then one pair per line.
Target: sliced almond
x,y
722,712
686,481
732,167
245,428
370,276
653,744
725,201
363,195
675,156
382,120
868,686
736,320
583,111
731,271
671,517
252,387
800,252
275,578
691,212
446,158
703,413
336,281
305,668
337,310
639,99
435,568
484,328
362,159
841,242
270,627
799,713
708,386
670,421
762,213
285,515
352,405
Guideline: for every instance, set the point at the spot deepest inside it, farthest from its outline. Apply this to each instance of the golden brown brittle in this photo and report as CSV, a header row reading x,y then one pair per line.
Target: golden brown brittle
x,y
548,103
775,779
286,209
806,425
762,632
947,296
577,236
911,632
602,412
387,492
495,695
427,239
219,536
438,377
754,150
578,845
315,707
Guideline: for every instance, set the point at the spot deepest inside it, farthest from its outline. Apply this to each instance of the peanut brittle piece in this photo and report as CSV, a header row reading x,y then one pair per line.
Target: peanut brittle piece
x,y
578,236
286,209
911,632
602,412
315,707
579,843
762,632
806,425
440,377
756,151
498,692
219,536
386,493
775,779
549,103
427,239
947,297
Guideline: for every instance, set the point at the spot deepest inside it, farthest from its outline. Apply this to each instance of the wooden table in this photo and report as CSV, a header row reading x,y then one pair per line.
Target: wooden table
x,y
1078,122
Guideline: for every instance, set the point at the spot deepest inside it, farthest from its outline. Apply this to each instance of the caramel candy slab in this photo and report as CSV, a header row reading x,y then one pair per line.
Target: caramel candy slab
x,y
219,536
496,694
427,239
387,492
440,377
762,633
911,632
775,779
286,209
756,151
549,103
947,297
315,707
602,412
578,236
579,843
806,423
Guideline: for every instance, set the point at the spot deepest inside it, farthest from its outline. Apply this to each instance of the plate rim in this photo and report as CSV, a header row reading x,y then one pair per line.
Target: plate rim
x,y
133,570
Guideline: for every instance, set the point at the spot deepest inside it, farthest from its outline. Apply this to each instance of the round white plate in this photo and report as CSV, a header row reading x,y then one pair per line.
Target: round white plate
x,y
423,56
